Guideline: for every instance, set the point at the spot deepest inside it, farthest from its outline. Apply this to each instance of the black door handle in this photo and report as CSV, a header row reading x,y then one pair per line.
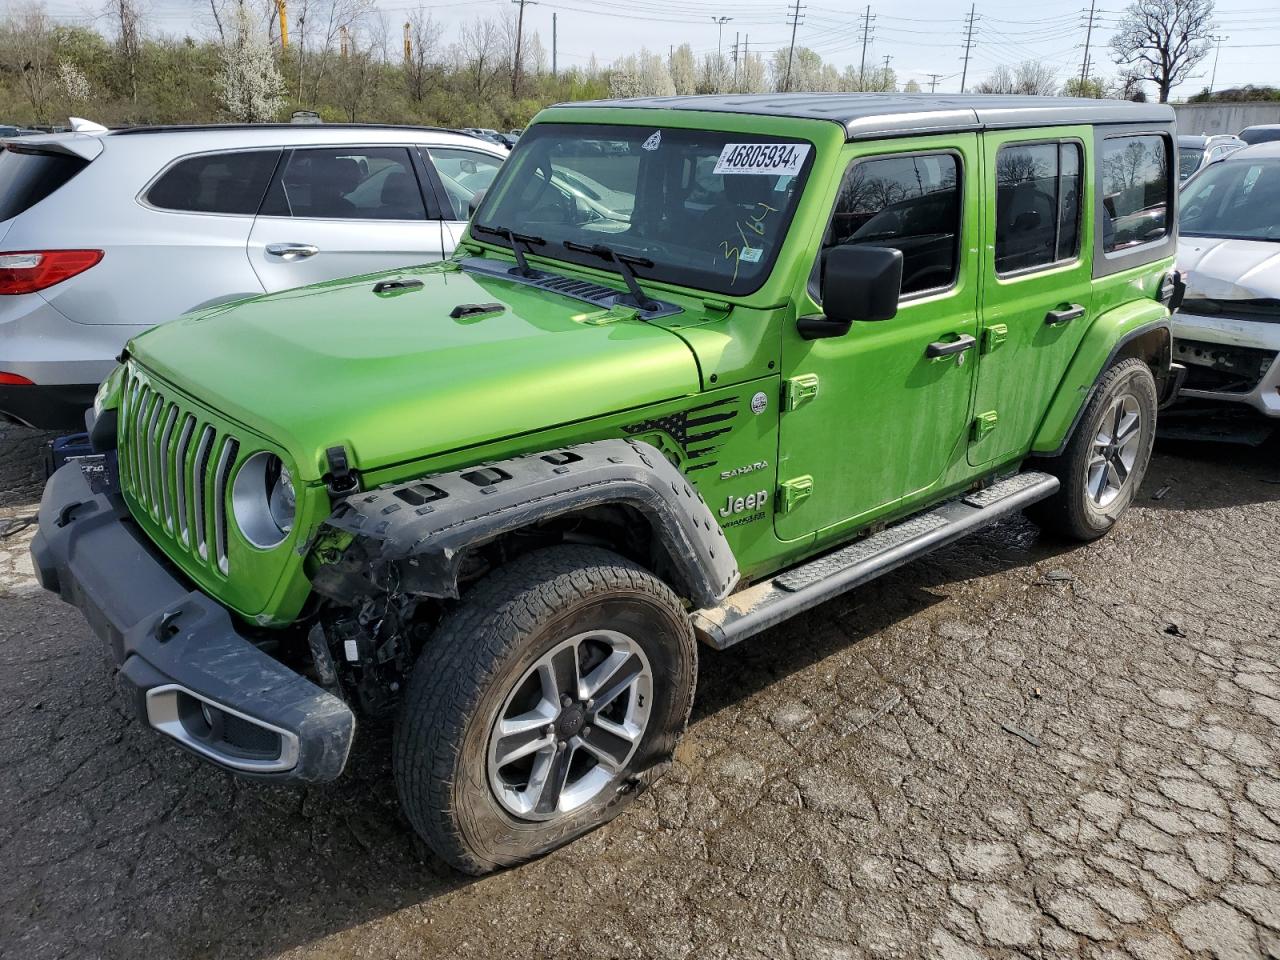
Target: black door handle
x,y
1065,315
945,348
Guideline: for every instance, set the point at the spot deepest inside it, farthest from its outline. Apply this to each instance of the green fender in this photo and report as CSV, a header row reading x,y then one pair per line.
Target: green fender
x,y
1138,328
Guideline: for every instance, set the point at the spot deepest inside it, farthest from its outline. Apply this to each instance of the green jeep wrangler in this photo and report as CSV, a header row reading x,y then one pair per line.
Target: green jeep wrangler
x,y
699,365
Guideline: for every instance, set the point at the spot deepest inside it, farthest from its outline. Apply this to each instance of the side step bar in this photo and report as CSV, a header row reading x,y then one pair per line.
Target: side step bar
x,y
769,602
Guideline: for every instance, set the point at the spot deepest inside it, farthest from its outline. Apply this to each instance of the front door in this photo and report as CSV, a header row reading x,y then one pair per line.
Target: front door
x,y
1037,281
881,416
336,212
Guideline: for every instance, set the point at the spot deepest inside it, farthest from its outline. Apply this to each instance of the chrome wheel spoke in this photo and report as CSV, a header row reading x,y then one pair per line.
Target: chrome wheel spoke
x,y
608,742
1114,480
547,791
1097,481
520,736
559,673
607,681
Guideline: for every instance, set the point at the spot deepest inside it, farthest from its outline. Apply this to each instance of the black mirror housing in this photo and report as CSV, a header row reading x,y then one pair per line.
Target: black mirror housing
x,y
858,284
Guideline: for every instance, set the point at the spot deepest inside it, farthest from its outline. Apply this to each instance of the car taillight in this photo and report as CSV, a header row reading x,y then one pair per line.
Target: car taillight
x,y
14,380
27,271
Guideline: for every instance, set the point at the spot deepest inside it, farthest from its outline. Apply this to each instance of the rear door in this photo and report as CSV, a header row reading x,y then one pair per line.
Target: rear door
x,y
1037,290
336,212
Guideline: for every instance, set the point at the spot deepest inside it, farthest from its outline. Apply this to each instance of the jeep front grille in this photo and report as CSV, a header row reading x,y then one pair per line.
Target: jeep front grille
x,y
177,467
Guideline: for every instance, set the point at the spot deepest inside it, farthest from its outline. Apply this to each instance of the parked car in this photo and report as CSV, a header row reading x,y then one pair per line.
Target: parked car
x,y
1227,331
797,343
104,234
1262,133
484,133
1195,152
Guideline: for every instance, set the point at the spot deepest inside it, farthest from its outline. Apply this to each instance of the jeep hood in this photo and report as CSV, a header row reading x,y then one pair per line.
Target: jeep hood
x,y
393,377
1222,269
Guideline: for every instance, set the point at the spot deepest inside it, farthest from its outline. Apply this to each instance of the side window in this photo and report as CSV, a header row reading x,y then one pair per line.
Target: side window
x,y
215,183
908,202
465,175
347,183
1037,205
1135,191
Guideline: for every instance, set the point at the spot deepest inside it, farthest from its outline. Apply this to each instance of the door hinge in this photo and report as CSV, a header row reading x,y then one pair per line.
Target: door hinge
x,y
799,390
983,424
995,335
794,492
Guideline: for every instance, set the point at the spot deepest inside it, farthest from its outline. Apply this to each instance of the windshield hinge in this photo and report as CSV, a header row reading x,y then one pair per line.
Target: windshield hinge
x,y
712,305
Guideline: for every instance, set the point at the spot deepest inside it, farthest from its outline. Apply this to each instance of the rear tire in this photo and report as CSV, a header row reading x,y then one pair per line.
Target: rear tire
x,y
1106,460
551,696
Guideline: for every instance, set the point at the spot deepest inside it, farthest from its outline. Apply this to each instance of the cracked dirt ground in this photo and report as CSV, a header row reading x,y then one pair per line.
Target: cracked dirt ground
x,y
1009,749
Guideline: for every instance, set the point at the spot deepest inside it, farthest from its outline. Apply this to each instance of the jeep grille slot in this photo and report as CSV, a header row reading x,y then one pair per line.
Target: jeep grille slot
x,y
220,481
176,466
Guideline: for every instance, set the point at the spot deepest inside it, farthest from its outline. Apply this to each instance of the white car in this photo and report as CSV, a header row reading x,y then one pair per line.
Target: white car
x,y
104,234
1227,331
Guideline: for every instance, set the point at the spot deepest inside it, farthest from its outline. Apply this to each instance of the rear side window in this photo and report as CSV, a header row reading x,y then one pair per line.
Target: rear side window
x,y
1135,191
347,183
908,202
1037,205
28,176
216,183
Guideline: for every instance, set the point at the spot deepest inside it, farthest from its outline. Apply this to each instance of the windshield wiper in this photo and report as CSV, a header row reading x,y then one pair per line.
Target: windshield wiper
x,y
626,262
515,239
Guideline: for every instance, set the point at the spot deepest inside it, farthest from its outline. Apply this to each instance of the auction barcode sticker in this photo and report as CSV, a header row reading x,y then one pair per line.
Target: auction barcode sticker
x,y
781,158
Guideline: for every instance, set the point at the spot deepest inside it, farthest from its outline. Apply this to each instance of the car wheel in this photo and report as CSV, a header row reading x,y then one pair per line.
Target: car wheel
x,y
1105,462
557,690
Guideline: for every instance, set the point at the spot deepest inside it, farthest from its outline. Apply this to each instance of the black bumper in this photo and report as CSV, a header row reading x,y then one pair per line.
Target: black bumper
x,y
187,671
55,407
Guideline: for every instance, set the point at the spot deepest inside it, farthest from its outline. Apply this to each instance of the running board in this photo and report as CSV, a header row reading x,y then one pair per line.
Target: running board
x,y
769,602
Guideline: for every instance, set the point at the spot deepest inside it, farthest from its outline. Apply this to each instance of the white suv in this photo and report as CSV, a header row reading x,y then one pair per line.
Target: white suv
x,y
106,233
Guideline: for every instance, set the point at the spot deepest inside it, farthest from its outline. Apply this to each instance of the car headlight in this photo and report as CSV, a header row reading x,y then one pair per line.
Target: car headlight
x,y
263,501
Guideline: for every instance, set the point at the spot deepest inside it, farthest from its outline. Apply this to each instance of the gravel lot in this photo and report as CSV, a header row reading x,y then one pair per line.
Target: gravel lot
x,y
1009,749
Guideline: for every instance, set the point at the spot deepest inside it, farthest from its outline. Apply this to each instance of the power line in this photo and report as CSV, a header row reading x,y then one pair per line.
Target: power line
x,y
970,22
793,14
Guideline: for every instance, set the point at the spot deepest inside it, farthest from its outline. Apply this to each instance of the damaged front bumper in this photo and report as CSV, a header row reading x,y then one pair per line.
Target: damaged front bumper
x,y
1229,359
188,672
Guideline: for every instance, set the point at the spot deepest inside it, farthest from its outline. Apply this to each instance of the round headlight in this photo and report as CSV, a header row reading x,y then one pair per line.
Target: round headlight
x,y
263,500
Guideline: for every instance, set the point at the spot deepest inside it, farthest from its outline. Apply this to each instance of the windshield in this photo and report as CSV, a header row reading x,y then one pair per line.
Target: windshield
x,y
1188,161
699,208
1236,199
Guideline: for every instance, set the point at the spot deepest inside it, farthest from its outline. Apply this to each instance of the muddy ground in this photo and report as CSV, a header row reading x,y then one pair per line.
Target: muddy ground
x,y
1009,749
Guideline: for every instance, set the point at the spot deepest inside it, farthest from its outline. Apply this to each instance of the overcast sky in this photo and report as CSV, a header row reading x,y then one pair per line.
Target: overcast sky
x,y
922,38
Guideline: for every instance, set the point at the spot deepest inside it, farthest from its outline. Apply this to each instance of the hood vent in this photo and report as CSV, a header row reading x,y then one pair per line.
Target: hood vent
x,y
596,294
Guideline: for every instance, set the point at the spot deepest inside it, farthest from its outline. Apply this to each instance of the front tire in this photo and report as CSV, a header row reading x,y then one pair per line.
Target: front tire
x,y
1106,460
557,690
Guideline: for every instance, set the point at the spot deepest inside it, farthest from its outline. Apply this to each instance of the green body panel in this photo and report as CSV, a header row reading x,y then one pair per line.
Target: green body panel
x,y
794,444
888,423
1110,327
1017,378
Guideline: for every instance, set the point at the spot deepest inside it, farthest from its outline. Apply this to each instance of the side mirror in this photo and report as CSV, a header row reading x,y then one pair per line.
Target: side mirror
x,y
858,283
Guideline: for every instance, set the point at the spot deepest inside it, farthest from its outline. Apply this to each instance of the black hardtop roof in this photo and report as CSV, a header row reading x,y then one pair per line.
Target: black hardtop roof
x,y
866,115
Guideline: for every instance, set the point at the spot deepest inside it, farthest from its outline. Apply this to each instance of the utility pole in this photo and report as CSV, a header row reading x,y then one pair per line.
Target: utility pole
x,y
970,22
794,16
282,11
735,61
1088,35
1213,77
554,72
515,72
720,22
933,81
866,19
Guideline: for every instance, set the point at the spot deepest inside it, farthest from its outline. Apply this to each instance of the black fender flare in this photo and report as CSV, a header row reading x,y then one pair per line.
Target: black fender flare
x,y
424,527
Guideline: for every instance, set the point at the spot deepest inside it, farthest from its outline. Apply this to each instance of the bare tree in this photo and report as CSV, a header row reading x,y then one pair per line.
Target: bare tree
x,y
1162,40
684,70
356,76
31,48
1029,78
126,18
479,52
423,53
